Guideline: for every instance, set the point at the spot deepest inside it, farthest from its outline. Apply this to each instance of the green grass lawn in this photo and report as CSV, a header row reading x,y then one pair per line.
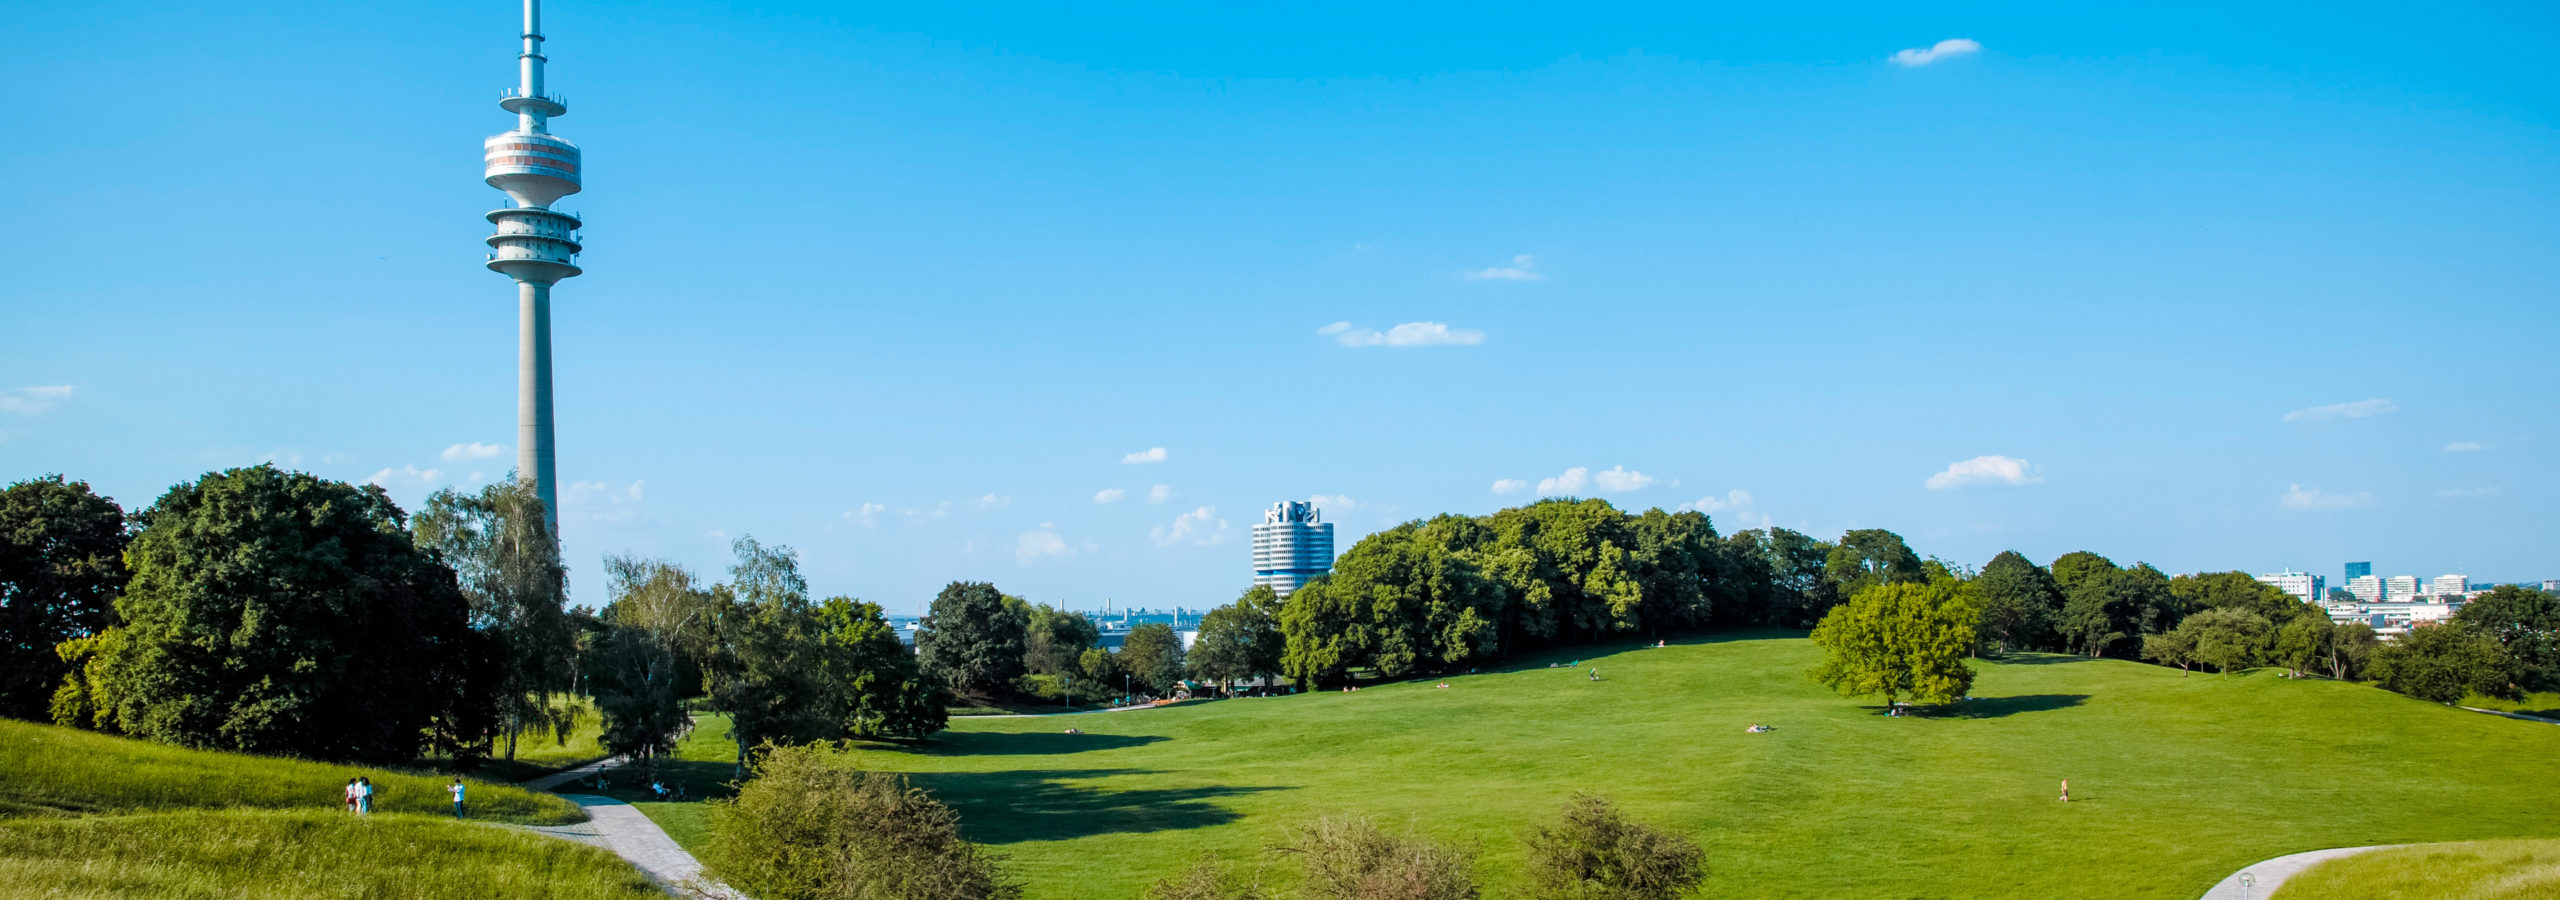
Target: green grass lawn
x,y
542,752
2477,870
2544,704
2177,781
50,770
299,853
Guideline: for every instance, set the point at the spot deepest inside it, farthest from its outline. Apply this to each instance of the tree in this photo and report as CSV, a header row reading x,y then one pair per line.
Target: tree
x,y
2175,647
1100,666
968,642
1594,852
2019,602
2103,605
279,613
1899,640
1782,576
1055,639
1152,654
2305,643
501,548
1240,641
640,664
1323,635
768,670
2229,637
1349,858
2445,663
61,565
2527,623
2235,590
809,826
876,688
1870,557
2351,650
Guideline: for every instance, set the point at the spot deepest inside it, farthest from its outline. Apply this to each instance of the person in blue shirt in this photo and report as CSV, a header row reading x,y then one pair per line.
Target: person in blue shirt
x,y
456,790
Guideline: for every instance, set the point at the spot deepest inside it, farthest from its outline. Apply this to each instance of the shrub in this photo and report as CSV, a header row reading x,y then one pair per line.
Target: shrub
x,y
1594,852
1348,858
1206,880
809,825
2442,663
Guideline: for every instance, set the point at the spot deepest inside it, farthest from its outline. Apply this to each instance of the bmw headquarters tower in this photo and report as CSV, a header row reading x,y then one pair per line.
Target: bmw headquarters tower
x,y
1291,547
535,245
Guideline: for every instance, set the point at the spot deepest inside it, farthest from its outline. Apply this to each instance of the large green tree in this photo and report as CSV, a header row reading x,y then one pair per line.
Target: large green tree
x,y
1054,639
645,656
1152,655
1240,641
2236,590
2229,638
1869,557
768,671
276,612
2305,643
61,564
2444,663
498,542
2527,623
2019,603
1779,576
970,642
1899,640
876,688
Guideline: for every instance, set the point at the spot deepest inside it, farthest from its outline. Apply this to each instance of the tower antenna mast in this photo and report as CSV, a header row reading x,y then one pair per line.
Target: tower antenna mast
x,y
535,245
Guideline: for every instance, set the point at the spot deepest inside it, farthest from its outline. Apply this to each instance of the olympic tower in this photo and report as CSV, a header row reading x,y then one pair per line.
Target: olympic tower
x,y
535,245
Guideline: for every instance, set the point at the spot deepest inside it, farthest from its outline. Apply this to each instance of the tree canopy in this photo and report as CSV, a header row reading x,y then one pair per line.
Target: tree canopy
x,y
1152,656
2527,623
61,565
969,642
1240,641
2019,602
500,547
2444,663
1899,640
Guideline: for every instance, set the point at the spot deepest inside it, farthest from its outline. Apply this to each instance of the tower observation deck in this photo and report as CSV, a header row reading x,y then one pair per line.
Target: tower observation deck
x,y
535,245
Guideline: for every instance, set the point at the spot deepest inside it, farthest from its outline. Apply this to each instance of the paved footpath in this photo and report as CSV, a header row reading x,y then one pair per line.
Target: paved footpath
x,y
621,828
2272,873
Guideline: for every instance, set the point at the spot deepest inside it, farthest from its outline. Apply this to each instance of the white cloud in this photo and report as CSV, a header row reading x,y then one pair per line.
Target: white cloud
x,y
1335,328
2299,497
401,477
34,399
1952,47
1733,499
1571,482
2353,410
1509,485
1618,479
992,501
1149,455
1985,470
868,515
1160,493
1409,334
2462,493
2462,447
474,450
1032,546
1522,268
598,501
1333,503
1199,526
1109,495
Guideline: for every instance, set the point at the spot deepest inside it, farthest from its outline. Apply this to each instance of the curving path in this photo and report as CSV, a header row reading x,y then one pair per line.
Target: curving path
x,y
2272,873
623,829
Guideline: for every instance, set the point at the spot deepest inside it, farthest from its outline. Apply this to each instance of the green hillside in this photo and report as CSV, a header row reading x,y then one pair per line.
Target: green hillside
x,y
2177,781
2474,870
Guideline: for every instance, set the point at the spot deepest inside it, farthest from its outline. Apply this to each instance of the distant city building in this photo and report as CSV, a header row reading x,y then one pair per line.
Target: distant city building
x,y
1292,546
2357,570
2400,589
2367,588
2444,585
2551,585
2393,619
2304,586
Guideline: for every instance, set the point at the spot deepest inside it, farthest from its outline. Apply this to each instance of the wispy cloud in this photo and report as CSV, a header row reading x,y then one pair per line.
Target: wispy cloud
x,y
1149,455
2317,500
2352,410
1160,493
1409,334
1736,506
474,450
2462,447
405,476
34,399
1509,485
1571,482
992,501
868,515
1333,503
1108,496
1619,479
2466,493
1946,49
1985,470
1522,268
1033,546
1199,526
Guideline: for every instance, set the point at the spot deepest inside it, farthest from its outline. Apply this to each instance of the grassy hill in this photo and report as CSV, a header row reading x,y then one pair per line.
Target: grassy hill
x,y
2472,870
2177,781
89,815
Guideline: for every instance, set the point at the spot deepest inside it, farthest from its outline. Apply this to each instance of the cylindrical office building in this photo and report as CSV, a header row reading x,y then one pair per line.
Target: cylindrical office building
x,y
1292,546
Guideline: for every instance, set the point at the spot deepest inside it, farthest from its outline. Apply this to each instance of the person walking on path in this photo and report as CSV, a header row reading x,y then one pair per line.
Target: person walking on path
x,y
456,790
364,795
349,795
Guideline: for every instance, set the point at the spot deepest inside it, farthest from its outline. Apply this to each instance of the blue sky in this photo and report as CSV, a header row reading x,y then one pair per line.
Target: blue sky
x,y
904,287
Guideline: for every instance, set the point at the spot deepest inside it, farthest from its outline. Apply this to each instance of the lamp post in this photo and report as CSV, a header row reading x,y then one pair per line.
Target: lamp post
x,y
2248,885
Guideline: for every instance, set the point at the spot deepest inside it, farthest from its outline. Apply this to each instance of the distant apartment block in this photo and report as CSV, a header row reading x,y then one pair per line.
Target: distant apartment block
x,y
2304,586
2366,587
2551,585
2447,585
2400,589
2357,570
1292,546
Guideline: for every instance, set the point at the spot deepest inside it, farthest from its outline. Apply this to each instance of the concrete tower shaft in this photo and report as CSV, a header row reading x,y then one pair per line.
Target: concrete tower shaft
x,y
535,245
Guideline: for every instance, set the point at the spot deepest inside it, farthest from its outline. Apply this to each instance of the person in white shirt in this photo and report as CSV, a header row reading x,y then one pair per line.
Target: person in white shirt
x,y
456,790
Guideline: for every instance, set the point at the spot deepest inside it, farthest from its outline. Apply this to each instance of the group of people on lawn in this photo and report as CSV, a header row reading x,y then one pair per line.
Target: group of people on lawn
x,y
360,792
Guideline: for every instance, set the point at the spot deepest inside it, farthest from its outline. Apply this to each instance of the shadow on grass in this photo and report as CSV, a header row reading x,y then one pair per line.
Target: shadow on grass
x,y
698,779
1557,657
1026,743
2041,659
1048,805
1998,707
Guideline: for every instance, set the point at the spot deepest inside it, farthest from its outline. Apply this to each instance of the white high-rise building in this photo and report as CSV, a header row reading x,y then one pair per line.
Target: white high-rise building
x,y
1292,546
2551,585
2400,589
2303,586
2444,585
2367,588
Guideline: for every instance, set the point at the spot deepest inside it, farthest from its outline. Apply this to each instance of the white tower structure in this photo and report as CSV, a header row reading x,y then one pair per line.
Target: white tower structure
x,y
1292,546
535,245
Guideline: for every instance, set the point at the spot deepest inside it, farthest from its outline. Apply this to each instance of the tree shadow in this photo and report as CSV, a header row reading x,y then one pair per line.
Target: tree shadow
x,y
1047,805
1027,743
1999,707
2042,659
1561,656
